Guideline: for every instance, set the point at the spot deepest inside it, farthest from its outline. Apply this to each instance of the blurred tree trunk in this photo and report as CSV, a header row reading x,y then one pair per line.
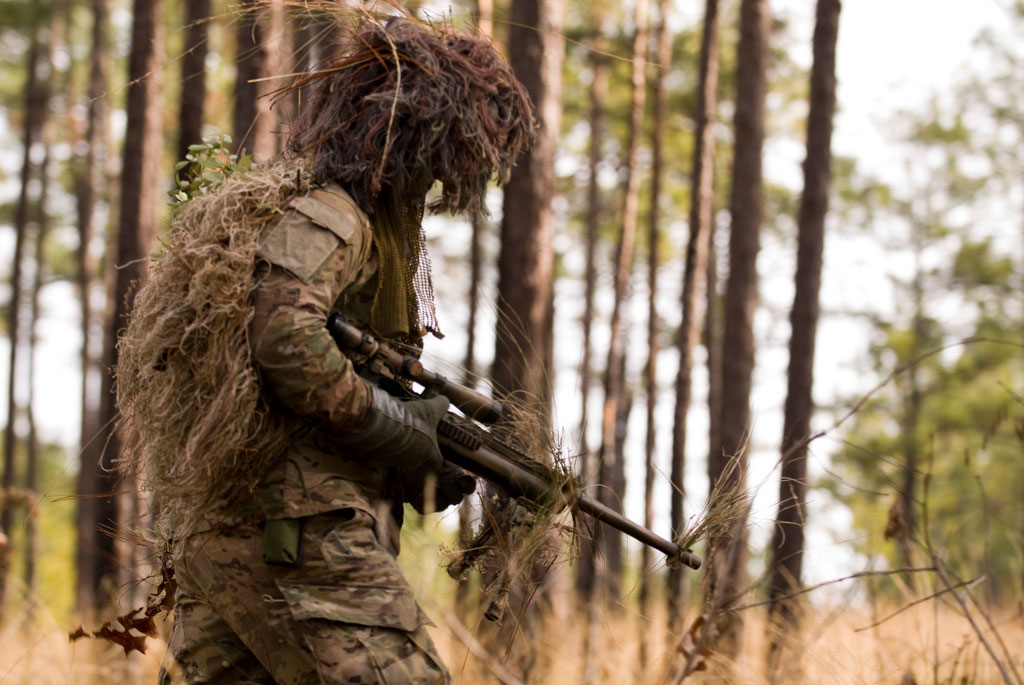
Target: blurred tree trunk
x,y
469,365
130,256
281,61
662,58
42,222
728,565
713,339
478,223
590,565
612,469
303,41
525,316
89,183
193,74
484,11
35,102
713,344
253,121
485,17
526,260
694,279
52,83
325,35
906,517
788,543
598,91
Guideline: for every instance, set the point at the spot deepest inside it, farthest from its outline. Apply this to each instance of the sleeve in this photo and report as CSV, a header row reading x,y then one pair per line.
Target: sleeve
x,y
311,264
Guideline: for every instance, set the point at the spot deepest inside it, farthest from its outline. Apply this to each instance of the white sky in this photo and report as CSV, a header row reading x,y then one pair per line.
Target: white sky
x,y
892,54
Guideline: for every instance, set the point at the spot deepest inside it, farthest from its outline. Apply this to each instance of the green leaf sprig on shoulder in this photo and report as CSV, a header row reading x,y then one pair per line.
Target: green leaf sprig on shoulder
x,y
205,166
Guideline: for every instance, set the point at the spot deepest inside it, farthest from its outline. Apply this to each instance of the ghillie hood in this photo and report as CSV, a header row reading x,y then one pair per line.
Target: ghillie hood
x,y
194,424
402,104
406,102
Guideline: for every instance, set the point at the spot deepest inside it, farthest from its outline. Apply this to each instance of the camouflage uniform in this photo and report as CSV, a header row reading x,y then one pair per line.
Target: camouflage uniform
x,y
342,613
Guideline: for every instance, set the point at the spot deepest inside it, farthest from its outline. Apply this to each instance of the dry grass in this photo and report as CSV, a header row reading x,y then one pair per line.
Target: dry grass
x,y
931,642
932,645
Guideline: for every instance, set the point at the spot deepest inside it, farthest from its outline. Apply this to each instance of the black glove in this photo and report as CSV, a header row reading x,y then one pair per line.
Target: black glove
x,y
451,484
401,433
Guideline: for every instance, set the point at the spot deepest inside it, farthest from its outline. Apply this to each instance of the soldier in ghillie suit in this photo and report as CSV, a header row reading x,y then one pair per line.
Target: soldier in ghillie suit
x,y
278,472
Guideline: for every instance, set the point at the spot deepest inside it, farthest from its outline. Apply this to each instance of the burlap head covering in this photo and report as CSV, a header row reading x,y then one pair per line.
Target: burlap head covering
x,y
403,104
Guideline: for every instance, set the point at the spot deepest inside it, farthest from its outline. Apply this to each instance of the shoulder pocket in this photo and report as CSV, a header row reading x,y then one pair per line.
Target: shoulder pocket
x,y
298,245
332,210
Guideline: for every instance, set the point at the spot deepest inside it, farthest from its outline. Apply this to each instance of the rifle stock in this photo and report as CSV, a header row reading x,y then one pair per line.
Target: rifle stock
x,y
465,448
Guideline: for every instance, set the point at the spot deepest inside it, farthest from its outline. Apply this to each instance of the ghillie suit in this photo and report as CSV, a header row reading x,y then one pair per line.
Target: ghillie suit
x,y
399,106
194,423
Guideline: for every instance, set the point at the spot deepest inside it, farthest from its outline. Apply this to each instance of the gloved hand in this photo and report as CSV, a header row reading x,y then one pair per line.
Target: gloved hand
x,y
401,433
451,484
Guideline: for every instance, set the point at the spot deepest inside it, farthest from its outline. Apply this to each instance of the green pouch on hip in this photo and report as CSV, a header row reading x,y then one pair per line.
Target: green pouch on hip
x,y
281,540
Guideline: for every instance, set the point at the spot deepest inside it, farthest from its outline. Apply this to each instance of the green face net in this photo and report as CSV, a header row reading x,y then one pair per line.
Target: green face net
x,y
403,306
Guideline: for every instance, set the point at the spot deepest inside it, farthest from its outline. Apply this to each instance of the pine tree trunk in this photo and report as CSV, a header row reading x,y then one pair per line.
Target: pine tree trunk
x,y
253,121
477,225
911,418
193,74
525,316
526,260
282,110
55,83
42,222
89,182
729,562
612,468
663,58
34,113
591,565
485,17
598,87
134,238
788,542
694,279
713,344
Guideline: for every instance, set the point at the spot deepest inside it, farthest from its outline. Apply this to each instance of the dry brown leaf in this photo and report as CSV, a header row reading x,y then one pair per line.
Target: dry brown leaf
x,y
140,620
688,645
129,642
897,524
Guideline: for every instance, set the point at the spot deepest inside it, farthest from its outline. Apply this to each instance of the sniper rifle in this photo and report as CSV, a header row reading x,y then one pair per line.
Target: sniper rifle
x,y
470,446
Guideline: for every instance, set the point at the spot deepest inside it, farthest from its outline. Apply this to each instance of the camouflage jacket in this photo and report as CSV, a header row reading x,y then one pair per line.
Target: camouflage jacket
x,y
318,258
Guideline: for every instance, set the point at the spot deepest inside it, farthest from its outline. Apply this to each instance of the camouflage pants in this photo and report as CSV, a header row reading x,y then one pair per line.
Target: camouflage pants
x,y
342,614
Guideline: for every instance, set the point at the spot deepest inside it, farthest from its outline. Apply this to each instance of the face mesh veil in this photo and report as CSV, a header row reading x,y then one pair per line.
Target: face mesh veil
x,y
404,309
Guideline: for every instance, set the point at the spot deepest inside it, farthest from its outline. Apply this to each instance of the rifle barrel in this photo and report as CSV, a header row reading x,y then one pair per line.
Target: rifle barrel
x,y
472,455
520,482
634,530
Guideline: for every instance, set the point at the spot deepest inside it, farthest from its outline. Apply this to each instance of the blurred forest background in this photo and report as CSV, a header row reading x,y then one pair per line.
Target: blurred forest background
x,y
839,343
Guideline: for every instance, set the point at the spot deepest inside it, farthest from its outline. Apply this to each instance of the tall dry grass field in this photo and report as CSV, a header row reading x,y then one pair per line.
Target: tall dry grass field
x,y
927,643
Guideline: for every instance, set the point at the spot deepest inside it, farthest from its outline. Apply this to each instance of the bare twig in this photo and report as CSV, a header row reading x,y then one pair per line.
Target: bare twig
x,y
853,576
941,575
738,512
996,633
978,631
859,404
920,600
